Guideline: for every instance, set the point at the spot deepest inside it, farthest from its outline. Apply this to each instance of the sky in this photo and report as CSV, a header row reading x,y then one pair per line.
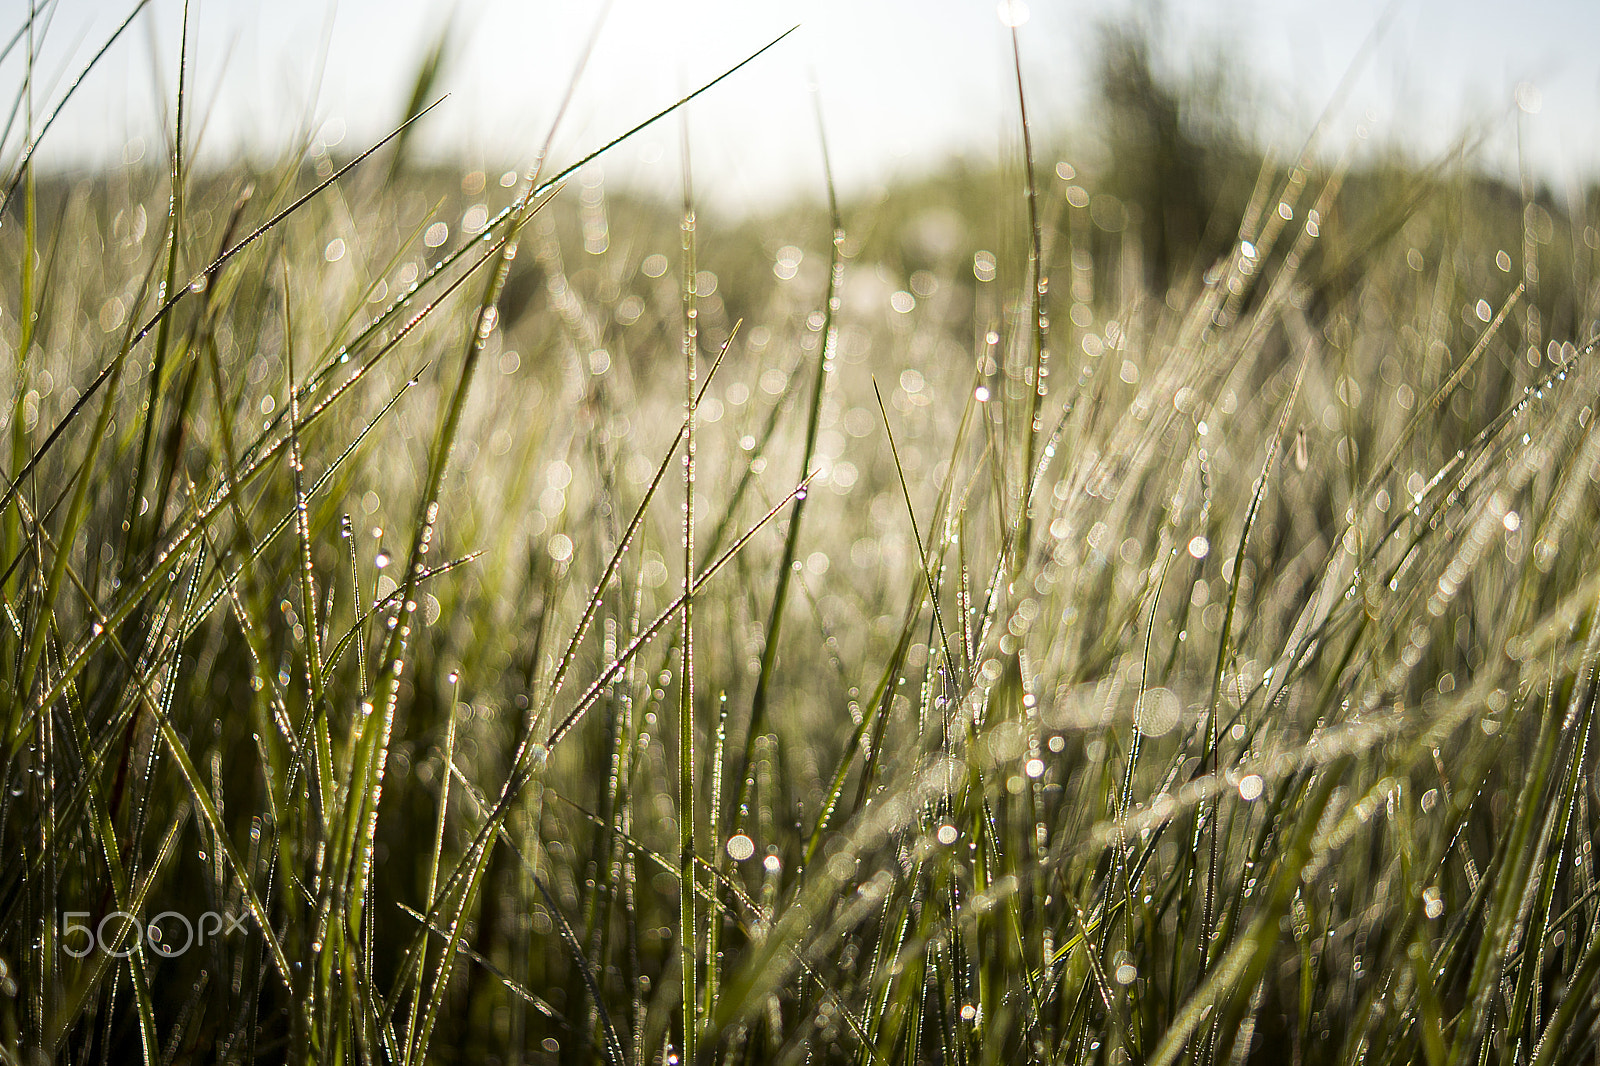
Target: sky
x,y
900,85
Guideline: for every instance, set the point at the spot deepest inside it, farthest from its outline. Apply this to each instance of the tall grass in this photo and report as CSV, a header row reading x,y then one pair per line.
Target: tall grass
x,y
1022,661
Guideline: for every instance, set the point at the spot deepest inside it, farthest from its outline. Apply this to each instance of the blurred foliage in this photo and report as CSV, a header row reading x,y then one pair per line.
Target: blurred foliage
x,y
1258,729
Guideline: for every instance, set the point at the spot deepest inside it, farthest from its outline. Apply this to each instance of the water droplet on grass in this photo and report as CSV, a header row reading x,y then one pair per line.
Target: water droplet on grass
x,y
1013,13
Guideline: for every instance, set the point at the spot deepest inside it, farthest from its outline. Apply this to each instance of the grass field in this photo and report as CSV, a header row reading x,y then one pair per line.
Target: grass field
x,y
1125,613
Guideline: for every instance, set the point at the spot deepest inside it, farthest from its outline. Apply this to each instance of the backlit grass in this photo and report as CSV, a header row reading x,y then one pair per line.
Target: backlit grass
x,y
554,623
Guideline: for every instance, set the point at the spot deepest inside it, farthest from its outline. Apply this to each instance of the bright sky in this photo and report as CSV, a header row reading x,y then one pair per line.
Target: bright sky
x,y
901,82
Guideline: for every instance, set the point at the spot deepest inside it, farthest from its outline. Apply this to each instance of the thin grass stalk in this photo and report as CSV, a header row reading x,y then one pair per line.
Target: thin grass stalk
x,y
688,919
791,545
141,532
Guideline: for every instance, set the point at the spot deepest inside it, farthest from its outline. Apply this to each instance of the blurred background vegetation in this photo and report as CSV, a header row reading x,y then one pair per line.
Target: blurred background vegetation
x,y
1264,737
